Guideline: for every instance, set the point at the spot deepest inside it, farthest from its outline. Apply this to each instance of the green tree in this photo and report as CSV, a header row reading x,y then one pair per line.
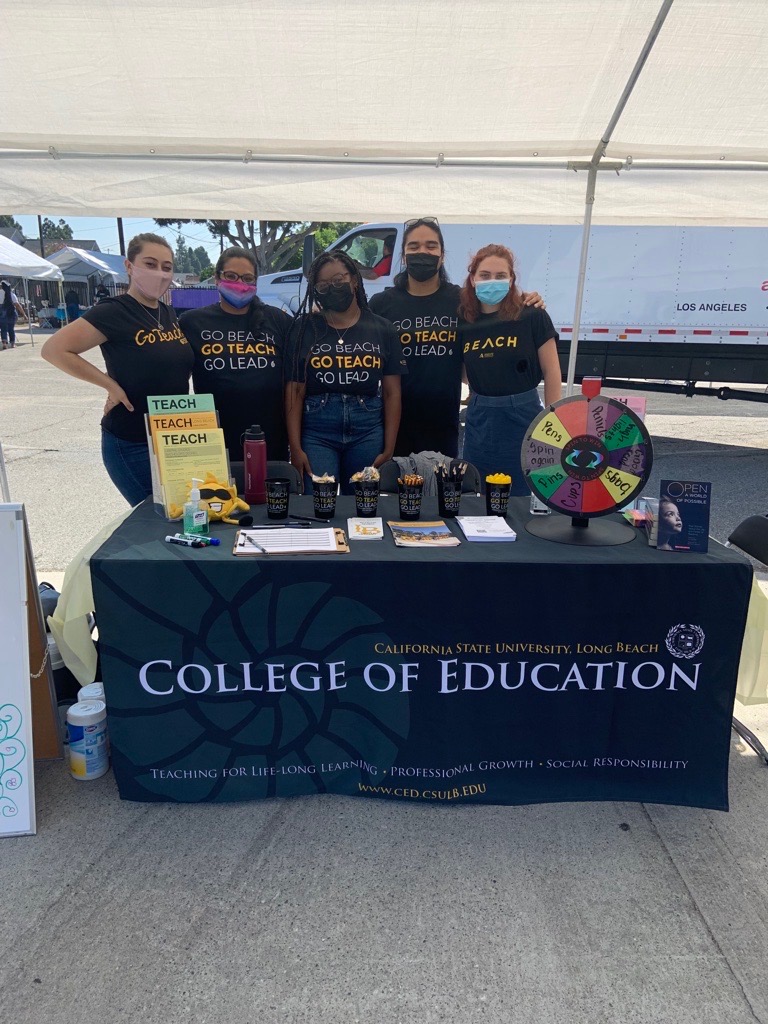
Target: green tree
x,y
328,233
274,243
325,236
61,231
206,272
181,255
6,221
203,260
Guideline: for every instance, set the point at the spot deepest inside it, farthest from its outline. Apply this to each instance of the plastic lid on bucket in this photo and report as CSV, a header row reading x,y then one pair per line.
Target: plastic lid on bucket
x,y
86,712
91,691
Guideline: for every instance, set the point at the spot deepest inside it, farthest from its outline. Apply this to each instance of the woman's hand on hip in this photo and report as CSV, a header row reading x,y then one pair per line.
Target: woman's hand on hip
x,y
116,396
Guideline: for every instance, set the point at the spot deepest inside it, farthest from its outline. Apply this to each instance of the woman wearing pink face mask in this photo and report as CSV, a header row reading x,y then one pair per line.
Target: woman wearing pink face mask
x,y
145,353
238,344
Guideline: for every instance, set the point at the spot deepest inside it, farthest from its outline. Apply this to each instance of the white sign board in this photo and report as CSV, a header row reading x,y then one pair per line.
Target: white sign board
x,y
17,788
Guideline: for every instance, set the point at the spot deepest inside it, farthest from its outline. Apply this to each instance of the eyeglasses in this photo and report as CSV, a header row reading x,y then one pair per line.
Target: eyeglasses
x,y
231,276
421,220
323,287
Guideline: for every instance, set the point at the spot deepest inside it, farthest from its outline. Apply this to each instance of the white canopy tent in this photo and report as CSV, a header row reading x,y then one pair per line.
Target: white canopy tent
x,y
16,261
80,264
490,110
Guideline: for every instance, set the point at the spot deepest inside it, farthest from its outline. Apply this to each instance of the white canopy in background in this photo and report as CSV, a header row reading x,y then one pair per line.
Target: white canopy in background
x,y
16,261
339,110
80,263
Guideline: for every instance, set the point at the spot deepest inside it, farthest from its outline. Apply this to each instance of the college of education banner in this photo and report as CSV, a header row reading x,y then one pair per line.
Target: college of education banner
x,y
436,682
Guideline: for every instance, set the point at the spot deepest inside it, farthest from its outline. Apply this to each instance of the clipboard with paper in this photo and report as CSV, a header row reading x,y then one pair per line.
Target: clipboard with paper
x,y
290,541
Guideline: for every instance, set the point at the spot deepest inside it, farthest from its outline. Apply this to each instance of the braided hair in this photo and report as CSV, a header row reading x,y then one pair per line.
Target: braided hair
x,y
306,317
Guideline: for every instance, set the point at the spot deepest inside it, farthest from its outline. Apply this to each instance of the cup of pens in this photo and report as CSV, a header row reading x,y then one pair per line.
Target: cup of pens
x,y
449,482
324,496
497,488
366,485
409,491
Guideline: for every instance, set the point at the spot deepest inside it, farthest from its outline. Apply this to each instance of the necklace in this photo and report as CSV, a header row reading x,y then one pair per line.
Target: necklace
x,y
154,318
340,338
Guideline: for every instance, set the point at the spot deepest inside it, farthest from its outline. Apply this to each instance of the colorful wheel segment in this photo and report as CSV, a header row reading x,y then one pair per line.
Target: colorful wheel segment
x,y
587,457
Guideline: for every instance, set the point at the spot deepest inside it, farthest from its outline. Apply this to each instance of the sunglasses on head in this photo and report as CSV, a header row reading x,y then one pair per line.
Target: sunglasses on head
x,y
421,220
207,494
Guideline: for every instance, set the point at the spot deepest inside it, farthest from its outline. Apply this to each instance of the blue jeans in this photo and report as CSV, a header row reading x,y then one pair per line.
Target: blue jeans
x,y
8,328
494,433
341,434
127,463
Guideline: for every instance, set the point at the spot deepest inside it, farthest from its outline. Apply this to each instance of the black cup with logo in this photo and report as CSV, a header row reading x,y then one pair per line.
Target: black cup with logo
x,y
497,498
324,497
366,497
448,497
409,496
278,492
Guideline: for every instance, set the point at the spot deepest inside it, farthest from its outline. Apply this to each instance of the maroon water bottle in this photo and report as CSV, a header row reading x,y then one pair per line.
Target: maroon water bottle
x,y
255,460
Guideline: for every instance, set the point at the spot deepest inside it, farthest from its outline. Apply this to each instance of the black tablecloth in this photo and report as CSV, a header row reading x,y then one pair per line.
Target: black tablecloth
x,y
500,673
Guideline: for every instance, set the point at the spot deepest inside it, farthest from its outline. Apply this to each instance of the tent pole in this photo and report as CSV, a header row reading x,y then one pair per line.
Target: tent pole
x,y
586,227
5,490
62,303
29,312
597,156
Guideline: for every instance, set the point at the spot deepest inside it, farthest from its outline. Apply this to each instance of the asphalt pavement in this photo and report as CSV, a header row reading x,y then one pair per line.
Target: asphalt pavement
x,y
333,910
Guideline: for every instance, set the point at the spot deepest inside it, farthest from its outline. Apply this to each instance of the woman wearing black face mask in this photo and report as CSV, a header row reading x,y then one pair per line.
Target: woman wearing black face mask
x,y
423,306
343,363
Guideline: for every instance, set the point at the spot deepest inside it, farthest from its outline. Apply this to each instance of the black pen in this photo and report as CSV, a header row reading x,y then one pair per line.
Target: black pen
x,y
255,544
309,519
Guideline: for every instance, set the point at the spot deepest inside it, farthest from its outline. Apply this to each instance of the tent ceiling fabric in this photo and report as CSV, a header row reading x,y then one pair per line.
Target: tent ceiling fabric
x,y
487,79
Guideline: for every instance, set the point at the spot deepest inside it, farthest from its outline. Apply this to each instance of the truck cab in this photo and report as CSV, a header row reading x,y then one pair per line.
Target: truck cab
x,y
368,245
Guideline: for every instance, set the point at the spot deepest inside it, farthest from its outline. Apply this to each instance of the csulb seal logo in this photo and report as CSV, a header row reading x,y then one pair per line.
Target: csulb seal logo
x,y
685,640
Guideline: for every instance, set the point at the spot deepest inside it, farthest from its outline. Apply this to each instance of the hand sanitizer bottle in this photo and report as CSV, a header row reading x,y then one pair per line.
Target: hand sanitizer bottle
x,y
195,517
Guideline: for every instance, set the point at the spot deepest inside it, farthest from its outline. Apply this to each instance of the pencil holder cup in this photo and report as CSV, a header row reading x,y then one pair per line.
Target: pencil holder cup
x,y
366,497
409,496
278,491
448,497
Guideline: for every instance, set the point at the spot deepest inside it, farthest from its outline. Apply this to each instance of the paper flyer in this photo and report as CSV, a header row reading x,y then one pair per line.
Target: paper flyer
x,y
182,455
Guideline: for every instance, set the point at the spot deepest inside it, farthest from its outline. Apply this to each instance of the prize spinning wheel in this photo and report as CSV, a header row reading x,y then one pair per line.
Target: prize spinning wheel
x,y
585,458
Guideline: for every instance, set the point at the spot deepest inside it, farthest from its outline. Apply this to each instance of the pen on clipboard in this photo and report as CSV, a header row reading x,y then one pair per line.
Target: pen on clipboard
x,y
255,543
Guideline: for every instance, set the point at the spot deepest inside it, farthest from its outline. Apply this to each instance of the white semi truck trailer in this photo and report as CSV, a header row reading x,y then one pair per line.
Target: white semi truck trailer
x,y
673,308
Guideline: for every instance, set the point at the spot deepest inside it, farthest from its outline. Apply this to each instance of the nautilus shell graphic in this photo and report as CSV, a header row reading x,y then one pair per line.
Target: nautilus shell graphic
x,y
229,742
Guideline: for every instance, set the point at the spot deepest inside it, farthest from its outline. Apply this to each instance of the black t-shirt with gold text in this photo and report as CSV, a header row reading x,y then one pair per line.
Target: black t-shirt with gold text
x,y
143,358
428,329
501,356
347,362
239,360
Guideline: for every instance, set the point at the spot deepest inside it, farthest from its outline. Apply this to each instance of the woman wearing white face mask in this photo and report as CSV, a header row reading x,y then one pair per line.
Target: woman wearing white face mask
x,y
145,353
507,350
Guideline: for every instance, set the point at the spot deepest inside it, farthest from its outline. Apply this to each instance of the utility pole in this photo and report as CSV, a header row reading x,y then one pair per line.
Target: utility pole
x,y
120,235
40,233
